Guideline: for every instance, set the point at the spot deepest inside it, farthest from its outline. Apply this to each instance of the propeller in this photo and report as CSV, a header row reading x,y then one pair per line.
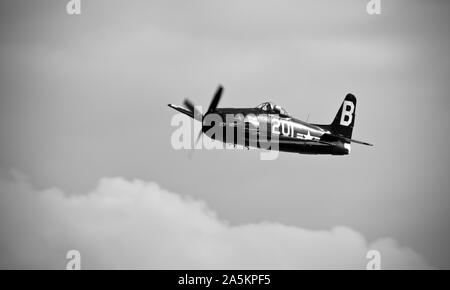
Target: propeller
x,y
190,106
216,99
198,115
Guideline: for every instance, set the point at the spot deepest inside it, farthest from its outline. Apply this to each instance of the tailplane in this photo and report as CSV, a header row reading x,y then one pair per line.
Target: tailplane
x,y
342,126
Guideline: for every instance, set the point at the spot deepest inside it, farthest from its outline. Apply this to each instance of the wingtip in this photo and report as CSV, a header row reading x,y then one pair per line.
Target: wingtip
x,y
172,106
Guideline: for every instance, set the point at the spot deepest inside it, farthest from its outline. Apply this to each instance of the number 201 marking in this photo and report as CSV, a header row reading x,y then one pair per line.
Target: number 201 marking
x,y
287,128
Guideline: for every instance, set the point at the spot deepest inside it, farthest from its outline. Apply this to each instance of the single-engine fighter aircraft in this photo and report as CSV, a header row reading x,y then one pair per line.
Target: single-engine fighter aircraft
x,y
271,122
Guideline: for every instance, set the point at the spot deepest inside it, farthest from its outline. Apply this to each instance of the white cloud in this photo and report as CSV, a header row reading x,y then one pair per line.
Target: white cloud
x,y
137,224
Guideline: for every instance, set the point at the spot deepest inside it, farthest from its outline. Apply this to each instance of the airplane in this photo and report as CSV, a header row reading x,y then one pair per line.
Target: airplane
x,y
271,122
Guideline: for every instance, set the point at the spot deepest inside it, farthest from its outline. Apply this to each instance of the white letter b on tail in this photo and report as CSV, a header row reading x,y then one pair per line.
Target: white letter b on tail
x,y
347,111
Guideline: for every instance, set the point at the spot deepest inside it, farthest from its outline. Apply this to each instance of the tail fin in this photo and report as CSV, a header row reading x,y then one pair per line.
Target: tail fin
x,y
345,117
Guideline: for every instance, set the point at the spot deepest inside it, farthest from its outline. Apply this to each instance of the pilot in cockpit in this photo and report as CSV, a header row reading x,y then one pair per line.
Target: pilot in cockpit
x,y
272,108
276,109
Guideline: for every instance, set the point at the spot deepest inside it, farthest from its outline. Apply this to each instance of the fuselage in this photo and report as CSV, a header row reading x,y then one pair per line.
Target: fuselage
x,y
255,128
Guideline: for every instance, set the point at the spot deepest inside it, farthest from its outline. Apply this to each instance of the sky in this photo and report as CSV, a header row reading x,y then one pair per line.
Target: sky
x,y
86,159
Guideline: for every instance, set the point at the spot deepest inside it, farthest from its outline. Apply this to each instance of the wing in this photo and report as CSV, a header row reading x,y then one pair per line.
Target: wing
x,y
182,110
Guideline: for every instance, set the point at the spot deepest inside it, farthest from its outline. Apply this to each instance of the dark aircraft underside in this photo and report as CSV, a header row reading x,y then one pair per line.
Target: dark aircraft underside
x,y
284,144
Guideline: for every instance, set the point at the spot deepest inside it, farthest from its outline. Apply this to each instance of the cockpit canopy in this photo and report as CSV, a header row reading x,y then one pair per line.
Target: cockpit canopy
x,y
270,107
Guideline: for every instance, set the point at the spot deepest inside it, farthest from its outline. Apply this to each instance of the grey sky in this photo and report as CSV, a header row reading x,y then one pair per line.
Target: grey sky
x,y
83,97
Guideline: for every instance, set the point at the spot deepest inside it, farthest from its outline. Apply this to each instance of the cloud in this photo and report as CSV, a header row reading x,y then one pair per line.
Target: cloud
x,y
137,224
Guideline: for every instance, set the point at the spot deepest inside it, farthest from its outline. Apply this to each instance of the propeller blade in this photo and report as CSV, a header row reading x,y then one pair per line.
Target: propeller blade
x,y
198,138
197,115
188,104
216,99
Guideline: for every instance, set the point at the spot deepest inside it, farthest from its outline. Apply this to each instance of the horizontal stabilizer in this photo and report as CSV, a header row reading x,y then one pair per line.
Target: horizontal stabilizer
x,y
331,137
359,142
